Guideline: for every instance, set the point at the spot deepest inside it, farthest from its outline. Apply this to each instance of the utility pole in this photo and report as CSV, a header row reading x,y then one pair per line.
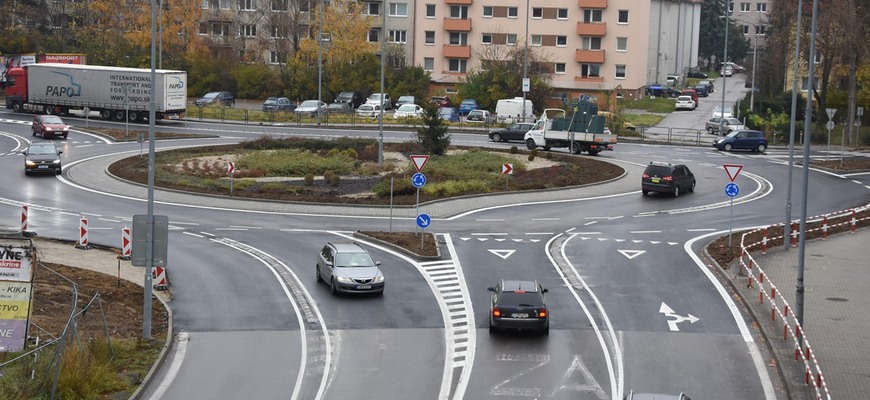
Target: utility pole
x,y
725,61
526,83
754,63
792,123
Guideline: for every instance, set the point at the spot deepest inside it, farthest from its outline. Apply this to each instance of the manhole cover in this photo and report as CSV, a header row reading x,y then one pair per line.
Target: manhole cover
x,y
836,299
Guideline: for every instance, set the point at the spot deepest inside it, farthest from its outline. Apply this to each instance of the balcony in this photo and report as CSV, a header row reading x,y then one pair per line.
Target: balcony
x,y
451,51
457,25
374,20
593,3
218,15
590,56
459,2
591,28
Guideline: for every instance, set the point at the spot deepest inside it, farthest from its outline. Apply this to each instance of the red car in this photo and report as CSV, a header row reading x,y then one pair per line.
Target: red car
x,y
49,126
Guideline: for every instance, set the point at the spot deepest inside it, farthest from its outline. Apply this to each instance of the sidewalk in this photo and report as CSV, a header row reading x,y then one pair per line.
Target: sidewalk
x,y
836,317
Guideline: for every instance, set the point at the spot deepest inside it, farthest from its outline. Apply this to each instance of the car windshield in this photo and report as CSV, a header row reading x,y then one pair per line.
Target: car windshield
x,y
684,98
407,108
353,260
271,100
50,119
375,97
210,95
309,103
524,299
42,150
336,105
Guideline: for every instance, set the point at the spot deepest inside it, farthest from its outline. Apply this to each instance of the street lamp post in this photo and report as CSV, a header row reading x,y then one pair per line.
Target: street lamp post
x,y
793,122
383,61
526,63
754,63
319,60
724,63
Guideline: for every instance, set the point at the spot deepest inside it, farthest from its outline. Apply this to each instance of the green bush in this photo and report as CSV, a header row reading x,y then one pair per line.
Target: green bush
x,y
294,162
334,180
309,179
401,186
456,188
244,184
533,154
514,149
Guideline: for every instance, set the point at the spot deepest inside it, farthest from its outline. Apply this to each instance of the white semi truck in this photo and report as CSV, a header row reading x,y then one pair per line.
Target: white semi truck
x,y
584,131
115,93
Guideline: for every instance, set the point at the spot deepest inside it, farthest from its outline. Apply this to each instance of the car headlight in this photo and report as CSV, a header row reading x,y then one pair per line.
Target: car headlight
x,y
56,161
48,128
30,163
343,279
379,278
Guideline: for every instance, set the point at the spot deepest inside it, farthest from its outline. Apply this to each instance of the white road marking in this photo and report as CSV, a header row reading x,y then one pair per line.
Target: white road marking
x,y
208,234
701,230
108,220
174,366
545,219
230,229
541,233
246,227
630,254
193,234
504,254
490,220
644,231
489,234
672,322
590,223
586,233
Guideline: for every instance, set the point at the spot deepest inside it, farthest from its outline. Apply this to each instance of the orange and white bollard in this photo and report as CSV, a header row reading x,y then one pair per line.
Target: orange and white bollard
x,y
825,228
854,221
159,278
126,244
794,235
83,235
24,217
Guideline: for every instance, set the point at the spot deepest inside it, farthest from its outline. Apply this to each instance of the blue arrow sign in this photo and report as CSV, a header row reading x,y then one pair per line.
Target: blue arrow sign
x,y
423,220
418,180
732,190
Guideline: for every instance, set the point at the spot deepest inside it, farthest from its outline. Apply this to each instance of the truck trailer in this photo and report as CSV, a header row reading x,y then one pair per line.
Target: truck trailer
x,y
584,131
115,93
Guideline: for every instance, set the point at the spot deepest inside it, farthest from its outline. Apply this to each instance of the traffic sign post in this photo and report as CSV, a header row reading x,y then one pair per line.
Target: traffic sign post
x,y
507,170
423,222
731,190
231,169
830,126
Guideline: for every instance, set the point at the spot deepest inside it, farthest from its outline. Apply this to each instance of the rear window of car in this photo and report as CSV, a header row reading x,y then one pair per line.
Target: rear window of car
x,y
513,298
658,170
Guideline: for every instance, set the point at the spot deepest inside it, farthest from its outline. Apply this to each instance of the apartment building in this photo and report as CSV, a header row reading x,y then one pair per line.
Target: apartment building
x,y
751,18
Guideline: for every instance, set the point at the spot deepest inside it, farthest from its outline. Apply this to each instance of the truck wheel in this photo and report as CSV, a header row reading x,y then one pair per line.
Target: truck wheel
x,y
118,115
575,148
530,144
16,106
105,114
48,110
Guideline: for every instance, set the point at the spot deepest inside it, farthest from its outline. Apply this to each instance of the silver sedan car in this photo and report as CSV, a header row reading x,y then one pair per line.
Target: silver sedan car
x,y
348,268
728,125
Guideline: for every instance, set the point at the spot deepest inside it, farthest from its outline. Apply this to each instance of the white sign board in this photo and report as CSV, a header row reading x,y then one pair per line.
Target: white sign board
x,y
15,264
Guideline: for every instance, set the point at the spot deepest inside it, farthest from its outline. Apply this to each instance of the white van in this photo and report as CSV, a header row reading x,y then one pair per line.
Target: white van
x,y
511,110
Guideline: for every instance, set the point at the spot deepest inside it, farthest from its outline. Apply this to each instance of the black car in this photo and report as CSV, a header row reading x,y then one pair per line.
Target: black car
x,y
354,98
667,178
696,74
42,157
662,91
278,104
514,132
702,90
216,98
519,305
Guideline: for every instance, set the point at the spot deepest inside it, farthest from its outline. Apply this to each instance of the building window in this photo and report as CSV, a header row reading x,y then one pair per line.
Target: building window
x,y
428,64
760,30
247,30
486,38
730,7
224,4
511,39
622,44
560,68
745,29
398,37
203,28
205,4
375,36
460,12
761,7
623,17
620,71
537,12
276,57
430,11
591,16
591,43
279,32
561,41
562,13
398,9
744,7
371,9
590,70
457,65
248,5
220,29
487,11
513,12
430,37
279,5
458,39
536,40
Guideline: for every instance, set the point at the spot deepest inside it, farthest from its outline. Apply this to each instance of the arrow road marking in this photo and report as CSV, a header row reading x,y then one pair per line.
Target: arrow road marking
x,y
672,323
631,253
504,254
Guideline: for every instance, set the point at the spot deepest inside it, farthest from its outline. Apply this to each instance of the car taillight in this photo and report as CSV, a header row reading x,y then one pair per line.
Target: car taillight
x,y
667,178
496,312
542,313
645,176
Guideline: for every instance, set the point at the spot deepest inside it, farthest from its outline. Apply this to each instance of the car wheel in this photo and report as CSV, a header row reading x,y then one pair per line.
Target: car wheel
x,y
761,148
492,329
34,132
317,273
26,172
332,288
677,191
692,188
496,137
546,330
65,135
644,192
710,130
58,171
728,147
530,144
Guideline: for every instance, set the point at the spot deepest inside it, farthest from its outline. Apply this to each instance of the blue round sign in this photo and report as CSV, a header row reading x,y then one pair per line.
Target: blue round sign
x,y
418,180
732,190
423,220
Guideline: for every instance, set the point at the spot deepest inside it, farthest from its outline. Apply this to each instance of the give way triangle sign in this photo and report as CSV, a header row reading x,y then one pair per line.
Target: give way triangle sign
x,y
419,161
732,170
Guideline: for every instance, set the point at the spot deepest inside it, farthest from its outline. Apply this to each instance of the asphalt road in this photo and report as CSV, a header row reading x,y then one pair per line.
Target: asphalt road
x,y
632,307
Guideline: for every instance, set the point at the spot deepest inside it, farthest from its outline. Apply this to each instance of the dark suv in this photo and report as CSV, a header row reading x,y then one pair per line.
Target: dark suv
x,y
216,98
519,305
667,178
353,98
347,267
742,140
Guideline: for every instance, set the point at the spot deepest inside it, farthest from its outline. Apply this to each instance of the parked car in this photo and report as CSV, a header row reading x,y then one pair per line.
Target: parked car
x,y
42,157
405,100
708,84
654,396
448,114
684,103
216,98
514,132
673,80
696,74
49,126
408,111
375,99
717,112
348,268
662,91
727,71
337,107
519,305
728,125
610,121
442,101
702,90
664,177
467,106
354,98
742,140
278,104
369,111
311,108
692,93
480,116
